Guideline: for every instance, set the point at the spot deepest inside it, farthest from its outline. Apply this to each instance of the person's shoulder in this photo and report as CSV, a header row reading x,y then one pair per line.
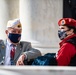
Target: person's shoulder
x,y
69,45
1,41
25,42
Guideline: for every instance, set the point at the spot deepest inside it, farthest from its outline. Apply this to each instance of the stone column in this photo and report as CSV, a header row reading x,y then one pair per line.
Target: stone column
x,y
39,19
4,16
25,16
8,10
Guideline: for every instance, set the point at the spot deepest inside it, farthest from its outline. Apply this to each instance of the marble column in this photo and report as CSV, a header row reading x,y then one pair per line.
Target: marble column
x,y
4,16
8,10
39,19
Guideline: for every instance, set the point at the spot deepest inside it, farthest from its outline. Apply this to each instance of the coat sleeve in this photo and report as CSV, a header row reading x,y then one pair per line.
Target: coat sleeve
x,y
66,52
30,52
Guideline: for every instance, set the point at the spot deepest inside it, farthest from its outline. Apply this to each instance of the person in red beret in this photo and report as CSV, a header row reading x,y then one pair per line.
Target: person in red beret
x,y
66,56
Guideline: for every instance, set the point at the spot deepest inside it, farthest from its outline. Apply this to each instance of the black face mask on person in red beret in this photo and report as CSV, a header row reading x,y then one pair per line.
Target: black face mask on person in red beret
x,y
62,34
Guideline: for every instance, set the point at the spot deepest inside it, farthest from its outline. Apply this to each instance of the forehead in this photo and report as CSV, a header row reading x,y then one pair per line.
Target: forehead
x,y
61,27
17,29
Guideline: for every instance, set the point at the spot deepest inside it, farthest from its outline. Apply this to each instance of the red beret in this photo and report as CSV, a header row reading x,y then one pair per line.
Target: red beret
x,y
67,22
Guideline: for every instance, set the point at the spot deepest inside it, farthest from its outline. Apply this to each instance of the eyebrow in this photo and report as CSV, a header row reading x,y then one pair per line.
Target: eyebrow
x,y
16,29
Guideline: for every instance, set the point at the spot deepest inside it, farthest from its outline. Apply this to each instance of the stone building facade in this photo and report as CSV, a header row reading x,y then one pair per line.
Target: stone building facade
x,y
39,21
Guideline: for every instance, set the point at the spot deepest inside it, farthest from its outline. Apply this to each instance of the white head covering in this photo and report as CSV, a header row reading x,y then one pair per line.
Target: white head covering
x,y
14,24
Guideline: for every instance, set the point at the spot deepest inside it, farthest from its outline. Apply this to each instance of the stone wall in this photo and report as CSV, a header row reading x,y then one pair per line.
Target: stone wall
x,y
39,21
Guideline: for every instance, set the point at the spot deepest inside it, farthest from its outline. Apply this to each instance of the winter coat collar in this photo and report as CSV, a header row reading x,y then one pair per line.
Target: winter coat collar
x,y
66,39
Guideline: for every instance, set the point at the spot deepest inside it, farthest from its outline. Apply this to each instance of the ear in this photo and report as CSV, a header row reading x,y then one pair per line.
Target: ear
x,y
72,30
6,31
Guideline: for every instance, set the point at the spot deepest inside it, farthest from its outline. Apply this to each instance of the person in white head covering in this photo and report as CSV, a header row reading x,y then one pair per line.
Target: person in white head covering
x,y
13,31
23,50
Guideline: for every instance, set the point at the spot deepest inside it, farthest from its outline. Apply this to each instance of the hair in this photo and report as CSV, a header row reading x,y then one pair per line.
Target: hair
x,y
71,27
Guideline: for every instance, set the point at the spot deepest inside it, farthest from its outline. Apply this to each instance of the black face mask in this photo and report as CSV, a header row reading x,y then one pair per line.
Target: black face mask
x,y
15,38
62,34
